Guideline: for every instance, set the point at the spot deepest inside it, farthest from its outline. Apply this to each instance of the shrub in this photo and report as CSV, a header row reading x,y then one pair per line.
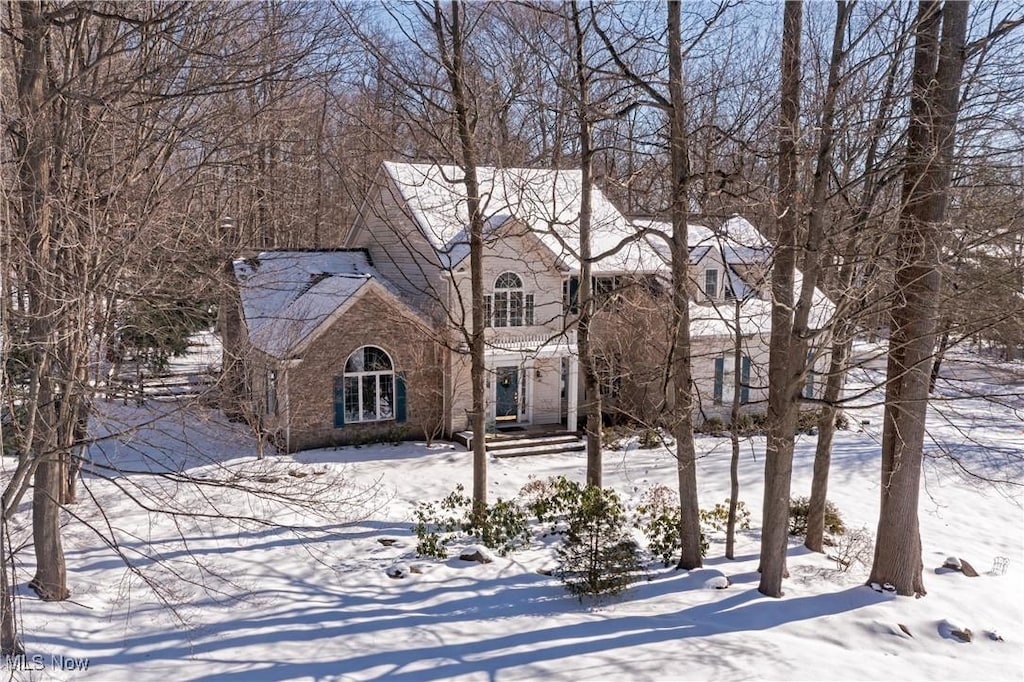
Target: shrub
x,y
711,426
502,529
851,548
552,499
717,519
798,509
597,558
649,439
657,517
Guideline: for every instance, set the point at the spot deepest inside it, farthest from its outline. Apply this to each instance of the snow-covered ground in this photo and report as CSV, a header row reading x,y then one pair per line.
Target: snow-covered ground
x,y
219,599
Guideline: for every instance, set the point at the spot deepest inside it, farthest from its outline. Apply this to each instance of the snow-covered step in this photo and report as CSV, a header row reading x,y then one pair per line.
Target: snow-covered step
x,y
525,447
495,444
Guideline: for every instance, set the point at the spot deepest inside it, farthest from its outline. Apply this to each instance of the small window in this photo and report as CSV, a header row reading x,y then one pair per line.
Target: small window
x,y
711,283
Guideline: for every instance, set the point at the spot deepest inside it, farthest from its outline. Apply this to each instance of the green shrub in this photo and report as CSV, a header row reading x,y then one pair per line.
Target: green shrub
x,y
597,558
657,517
717,519
798,509
552,499
502,529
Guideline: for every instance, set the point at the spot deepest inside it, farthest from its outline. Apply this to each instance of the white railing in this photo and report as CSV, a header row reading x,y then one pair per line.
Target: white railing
x,y
507,340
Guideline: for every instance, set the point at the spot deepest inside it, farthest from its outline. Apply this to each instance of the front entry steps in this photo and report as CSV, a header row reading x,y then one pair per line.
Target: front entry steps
x,y
526,444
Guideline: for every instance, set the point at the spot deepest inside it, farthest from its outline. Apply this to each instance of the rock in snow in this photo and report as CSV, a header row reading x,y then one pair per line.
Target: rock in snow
x,y
949,628
397,571
477,553
719,582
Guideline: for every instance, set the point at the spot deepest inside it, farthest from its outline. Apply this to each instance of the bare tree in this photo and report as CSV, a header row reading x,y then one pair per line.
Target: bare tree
x,y
938,65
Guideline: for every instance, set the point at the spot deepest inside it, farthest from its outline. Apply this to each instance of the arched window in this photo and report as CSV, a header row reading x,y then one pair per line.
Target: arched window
x,y
369,386
512,307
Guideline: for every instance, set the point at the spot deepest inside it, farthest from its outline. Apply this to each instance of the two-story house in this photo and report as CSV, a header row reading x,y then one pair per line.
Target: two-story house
x,y
341,346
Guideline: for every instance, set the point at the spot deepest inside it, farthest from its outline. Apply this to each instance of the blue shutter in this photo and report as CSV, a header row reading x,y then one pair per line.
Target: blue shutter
x,y
529,310
487,310
745,380
400,415
571,295
339,402
719,376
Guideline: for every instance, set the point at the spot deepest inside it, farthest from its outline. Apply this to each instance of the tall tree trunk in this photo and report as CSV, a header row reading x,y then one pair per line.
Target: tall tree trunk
x,y
9,642
734,436
850,298
682,381
938,65
838,362
591,380
453,60
35,177
783,388
812,266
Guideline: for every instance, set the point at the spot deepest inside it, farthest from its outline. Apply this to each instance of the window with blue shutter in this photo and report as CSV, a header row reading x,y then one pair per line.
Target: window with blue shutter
x,y
571,295
719,378
529,310
400,400
339,402
745,381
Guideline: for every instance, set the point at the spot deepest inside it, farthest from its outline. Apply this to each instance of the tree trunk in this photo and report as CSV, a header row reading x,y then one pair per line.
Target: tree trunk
x,y
734,436
938,64
815,540
9,643
452,57
686,458
591,380
783,386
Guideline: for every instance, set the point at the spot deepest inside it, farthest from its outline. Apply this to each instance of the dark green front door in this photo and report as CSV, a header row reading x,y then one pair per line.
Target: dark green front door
x,y
506,399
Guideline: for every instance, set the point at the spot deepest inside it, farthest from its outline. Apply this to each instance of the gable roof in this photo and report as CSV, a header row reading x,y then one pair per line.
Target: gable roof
x,y
287,295
546,201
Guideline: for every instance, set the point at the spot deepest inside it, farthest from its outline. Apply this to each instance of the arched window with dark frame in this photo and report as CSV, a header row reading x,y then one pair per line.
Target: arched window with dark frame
x,y
509,306
367,388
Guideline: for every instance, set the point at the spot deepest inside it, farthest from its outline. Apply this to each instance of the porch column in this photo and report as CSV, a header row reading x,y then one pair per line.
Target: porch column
x,y
572,393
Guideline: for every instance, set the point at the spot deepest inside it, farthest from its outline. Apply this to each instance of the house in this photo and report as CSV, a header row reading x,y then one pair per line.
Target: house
x,y
369,341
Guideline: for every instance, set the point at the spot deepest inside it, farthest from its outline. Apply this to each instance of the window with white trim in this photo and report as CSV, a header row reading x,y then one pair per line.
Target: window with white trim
x,y
711,283
369,386
509,306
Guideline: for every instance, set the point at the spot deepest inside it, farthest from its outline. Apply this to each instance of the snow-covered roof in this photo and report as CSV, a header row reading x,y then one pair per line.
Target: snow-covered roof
x,y
739,240
286,295
546,201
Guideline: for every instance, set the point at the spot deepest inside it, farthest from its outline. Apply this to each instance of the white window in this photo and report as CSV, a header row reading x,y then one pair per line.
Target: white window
x,y
711,283
511,307
369,386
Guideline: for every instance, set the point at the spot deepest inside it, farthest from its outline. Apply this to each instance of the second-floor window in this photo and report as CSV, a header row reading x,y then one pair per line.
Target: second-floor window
x,y
711,283
509,306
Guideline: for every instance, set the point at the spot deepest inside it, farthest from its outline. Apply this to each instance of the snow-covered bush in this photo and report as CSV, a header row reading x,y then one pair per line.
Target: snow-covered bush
x,y
597,557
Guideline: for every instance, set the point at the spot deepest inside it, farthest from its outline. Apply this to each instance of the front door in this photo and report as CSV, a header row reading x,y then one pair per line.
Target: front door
x,y
506,399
